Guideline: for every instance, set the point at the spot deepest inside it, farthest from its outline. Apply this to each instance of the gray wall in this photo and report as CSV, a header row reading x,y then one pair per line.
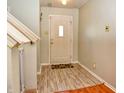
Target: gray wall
x,y
95,45
46,11
27,11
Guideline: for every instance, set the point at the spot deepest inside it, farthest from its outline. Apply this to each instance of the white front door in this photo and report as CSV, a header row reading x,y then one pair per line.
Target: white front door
x,y
61,39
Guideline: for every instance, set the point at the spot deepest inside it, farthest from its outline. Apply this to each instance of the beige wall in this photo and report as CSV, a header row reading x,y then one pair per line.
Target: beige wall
x,y
15,70
13,77
96,45
27,11
30,78
46,11
10,87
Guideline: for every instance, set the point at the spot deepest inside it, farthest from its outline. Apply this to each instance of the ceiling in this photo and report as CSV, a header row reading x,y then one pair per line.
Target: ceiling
x,y
58,3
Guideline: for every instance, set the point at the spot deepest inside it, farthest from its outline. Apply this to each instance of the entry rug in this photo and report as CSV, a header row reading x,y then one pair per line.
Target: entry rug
x,y
101,88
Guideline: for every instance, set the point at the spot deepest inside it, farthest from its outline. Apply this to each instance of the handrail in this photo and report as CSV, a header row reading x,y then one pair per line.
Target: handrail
x,y
22,28
18,33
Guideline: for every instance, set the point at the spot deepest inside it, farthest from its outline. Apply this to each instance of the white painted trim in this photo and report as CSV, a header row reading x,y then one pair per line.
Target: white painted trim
x,y
39,72
49,36
98,77
58,63
43,64
22,28
21,67
74,62
71,35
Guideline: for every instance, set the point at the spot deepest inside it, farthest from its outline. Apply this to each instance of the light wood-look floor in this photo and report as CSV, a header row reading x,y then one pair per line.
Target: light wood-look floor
x,y
53,80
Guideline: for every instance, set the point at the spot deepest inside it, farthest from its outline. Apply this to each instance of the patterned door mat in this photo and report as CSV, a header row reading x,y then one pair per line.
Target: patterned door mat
x,y
62,66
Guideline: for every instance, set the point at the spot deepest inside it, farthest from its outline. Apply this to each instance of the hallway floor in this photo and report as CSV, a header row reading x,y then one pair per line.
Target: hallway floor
x,y
61,79
101,88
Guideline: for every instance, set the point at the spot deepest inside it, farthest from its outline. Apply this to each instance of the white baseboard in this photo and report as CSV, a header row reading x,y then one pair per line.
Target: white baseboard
x,y
98,77
39,72
74,62
42,64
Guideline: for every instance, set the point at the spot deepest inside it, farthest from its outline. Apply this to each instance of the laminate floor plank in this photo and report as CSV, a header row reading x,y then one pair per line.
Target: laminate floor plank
x,y
87,74
53,80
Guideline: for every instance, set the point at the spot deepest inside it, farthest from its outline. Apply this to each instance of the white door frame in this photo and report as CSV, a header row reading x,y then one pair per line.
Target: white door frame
x,y
70,41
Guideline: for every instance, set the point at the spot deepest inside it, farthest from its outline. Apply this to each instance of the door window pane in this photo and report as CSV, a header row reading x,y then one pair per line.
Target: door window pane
x,y
61,31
